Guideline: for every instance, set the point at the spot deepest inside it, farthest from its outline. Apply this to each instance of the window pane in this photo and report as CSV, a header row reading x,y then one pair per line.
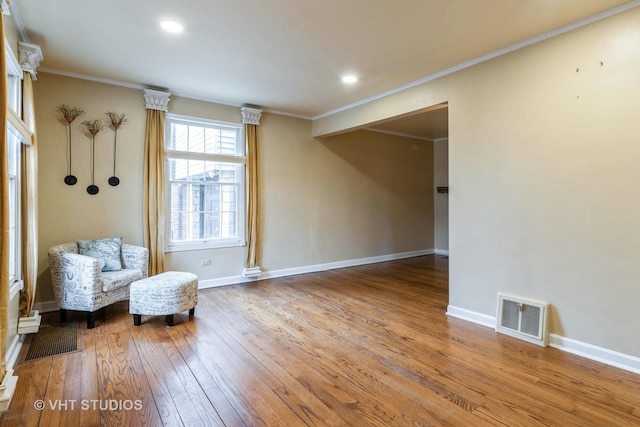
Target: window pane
x,y
13,237
205,139
202,170
13,163
13,94
203,211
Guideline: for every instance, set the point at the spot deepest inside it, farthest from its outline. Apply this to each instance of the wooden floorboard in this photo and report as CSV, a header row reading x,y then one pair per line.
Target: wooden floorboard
x,y
361,346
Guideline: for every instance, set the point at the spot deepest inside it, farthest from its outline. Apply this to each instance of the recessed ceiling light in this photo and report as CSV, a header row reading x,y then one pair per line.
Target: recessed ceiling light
x,y
171,26
349,79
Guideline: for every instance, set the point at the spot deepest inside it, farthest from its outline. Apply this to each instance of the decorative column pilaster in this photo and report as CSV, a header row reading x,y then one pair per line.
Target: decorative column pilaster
x,y
29,57
251,120
156,99
251,116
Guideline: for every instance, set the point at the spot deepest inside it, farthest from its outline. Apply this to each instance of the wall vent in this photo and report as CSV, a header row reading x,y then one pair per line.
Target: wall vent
x,y
523,318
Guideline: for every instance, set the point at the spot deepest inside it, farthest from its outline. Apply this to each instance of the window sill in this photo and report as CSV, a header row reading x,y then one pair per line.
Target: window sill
x,y
204,246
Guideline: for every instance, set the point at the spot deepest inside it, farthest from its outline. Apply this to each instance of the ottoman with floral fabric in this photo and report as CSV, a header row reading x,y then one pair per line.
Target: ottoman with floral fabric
x,y
163,294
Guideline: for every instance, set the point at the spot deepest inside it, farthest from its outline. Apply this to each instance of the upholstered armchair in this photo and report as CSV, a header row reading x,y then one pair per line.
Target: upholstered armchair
x,y
89,282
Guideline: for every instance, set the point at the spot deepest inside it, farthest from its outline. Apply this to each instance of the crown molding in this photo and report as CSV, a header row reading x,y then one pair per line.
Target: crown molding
x,y
500,52
17,20
403,135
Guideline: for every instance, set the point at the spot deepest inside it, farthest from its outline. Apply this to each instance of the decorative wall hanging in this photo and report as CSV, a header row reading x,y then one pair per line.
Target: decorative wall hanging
x,y
116,121
69,114
93,127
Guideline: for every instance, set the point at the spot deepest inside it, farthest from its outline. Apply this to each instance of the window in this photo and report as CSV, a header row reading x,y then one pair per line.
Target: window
x,y
205,170
17,134
13,154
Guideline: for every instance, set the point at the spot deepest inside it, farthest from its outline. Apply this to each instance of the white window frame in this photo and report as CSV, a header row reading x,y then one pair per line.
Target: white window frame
x,y
241,160
18,134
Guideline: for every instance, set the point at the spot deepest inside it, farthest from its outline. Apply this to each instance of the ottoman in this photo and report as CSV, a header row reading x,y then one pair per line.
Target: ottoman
x,y
163,294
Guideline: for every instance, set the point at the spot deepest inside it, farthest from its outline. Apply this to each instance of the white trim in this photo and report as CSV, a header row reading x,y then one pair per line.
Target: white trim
x,y
197,121
404,135
17,19
92,79
250,115
46,306
599,354
444,252
22,131
29,56
13,65
176,94
251,272
49,306
7,388
15,288
156,99
13,351
29,324
471,316
233,280
588,351
284,113
489,56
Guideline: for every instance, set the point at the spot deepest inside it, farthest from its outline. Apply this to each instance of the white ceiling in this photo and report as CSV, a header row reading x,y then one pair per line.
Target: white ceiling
x,y
283,55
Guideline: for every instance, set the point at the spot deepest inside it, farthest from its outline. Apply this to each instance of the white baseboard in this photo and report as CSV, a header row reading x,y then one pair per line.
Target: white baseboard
x,y
471,316
7,388
46,306
441,252
49,306
13,350
272,274
569,345
599,354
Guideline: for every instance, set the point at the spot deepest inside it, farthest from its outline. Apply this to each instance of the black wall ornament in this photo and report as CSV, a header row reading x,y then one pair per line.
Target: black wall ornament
x,y
116,121
93,127
69,114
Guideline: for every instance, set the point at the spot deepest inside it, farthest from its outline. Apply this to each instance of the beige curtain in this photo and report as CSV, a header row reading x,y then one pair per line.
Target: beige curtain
x,y
153,199
4,211
251,135
29,202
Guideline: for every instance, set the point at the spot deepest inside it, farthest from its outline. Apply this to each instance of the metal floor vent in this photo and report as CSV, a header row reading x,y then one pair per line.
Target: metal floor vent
x,y
523,318
52,340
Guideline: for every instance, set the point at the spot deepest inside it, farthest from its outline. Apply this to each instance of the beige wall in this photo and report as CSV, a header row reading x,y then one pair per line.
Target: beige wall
x,y
544,175
355,196
441,200
67,213
11,33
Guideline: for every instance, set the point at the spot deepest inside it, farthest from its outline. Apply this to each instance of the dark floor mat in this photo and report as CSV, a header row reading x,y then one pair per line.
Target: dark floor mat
x,y
52,340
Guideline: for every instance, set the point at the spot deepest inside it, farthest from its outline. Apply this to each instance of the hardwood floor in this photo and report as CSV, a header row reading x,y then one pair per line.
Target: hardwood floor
x,y
363,346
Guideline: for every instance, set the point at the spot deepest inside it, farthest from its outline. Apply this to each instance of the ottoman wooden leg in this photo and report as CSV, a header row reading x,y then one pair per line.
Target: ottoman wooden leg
x,y
137,319
63,315
170,320
192,311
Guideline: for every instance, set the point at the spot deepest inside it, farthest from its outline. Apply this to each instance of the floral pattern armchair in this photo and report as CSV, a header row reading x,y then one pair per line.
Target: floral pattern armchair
x,y
80,284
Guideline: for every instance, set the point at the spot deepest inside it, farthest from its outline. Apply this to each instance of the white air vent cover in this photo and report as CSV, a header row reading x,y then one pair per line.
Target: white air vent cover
x,y
522,318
